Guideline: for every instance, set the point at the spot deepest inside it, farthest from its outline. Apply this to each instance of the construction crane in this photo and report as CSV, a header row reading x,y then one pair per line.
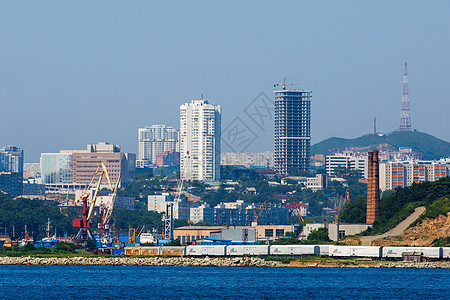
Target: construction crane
x,y
260,212
296,210
295,83
105,210
168,217
342,202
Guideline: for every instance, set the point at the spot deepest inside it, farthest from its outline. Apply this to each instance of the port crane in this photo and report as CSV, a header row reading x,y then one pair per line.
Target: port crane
x,y
284,84
105,210
342,202
260,212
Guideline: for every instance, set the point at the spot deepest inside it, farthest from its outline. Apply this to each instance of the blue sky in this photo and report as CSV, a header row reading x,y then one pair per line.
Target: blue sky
x,y
81,72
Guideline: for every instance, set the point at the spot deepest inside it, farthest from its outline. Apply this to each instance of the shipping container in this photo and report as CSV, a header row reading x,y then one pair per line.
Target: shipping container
x,y
171,251
205,250
446,252
118,251
240,250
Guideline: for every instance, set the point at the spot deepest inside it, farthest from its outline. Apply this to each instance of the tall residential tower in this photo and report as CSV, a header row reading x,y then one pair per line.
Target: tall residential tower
x,y
292,130
200,126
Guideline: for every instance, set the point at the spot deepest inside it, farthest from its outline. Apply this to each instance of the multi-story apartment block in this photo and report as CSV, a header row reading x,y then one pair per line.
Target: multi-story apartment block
x,y
154,140
396,174
11,170
292,137
248,159
239,214
203,213
347,159
200,127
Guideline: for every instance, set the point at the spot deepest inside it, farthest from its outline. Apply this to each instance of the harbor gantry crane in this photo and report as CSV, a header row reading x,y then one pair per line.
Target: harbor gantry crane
x,y
105,211
284,84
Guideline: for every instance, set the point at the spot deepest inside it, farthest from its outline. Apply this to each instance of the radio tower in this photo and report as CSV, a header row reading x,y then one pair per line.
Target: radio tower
x,y
405,119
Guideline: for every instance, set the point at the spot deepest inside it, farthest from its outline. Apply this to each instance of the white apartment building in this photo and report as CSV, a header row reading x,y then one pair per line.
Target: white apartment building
x,y
181,207
346,159
200,127
248,159
394,174
154,140
317,183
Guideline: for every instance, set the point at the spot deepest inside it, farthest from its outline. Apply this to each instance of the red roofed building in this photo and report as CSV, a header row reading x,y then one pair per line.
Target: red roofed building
x,y
168,158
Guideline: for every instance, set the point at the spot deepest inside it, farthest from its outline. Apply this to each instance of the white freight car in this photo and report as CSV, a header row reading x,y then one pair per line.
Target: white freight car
x,y
396,252
359,251
324,250
205,250
239,250
446,252
299,249
293,250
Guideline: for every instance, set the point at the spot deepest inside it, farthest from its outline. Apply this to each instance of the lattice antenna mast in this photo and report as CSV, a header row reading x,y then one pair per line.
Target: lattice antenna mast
x,y
405,119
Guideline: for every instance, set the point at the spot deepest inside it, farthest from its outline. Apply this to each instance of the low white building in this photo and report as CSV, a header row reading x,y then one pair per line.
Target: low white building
x,y
317,183
347,159
181,208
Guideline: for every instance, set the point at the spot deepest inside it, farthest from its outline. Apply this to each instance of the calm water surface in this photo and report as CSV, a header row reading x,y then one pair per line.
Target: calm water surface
x,y
112,282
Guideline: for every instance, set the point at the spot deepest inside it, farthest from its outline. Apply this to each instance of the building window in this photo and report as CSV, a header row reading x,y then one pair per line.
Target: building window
x,y
183,240
268,232
279,232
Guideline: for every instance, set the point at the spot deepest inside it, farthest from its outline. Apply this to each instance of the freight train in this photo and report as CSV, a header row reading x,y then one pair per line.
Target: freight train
x,y
373,252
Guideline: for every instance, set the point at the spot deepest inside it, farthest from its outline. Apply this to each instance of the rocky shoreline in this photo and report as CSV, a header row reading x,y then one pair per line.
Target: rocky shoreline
x,y
204,262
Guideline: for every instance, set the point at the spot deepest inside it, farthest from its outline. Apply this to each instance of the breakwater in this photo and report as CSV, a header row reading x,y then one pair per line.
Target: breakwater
x,y
210,262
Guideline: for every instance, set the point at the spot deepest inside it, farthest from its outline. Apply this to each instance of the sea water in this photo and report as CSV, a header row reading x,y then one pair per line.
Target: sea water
x,y
140,282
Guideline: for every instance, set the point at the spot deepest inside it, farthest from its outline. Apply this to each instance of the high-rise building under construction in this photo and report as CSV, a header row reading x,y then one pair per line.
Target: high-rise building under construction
x,y
292,130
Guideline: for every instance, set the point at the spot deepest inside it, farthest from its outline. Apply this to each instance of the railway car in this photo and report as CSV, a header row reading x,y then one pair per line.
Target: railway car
x,y
285,250
298,250
396,252
446,252
205,250
357,251
150,251
324,250
131,251
172,251
241,250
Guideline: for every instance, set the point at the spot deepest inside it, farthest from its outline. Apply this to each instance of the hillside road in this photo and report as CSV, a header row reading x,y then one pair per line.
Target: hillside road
x,y
397,230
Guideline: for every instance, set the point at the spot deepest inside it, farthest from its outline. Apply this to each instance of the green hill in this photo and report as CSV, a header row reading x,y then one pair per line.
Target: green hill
x,y
428,145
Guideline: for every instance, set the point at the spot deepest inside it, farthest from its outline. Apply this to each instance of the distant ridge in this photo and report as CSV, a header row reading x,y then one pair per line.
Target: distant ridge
x,y
429,146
